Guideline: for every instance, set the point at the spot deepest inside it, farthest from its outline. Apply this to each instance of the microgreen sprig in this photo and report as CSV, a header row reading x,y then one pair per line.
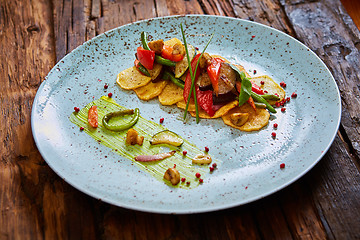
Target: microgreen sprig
x,y
192,74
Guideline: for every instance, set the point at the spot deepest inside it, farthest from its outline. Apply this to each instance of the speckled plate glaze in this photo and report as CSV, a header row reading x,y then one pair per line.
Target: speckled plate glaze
x,y
250,168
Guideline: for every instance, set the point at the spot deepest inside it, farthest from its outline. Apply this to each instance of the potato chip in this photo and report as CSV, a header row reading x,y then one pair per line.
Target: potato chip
x,y
270,86
150,90
256,120
182,104
131,78
172,42
222,111
171,94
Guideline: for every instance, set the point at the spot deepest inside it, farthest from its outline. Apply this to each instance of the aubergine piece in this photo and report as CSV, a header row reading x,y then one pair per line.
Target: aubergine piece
x,y
204,82
227,79
223,98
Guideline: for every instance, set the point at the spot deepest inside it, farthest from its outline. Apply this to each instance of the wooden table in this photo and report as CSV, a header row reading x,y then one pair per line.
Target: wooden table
x,y
37,204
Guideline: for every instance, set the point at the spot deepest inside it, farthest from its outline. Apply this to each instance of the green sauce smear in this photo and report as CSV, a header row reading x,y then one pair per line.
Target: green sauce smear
x,y
146,128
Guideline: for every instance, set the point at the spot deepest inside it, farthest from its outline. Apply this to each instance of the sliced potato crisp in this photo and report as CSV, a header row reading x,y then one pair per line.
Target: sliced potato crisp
x,y
131,78
150,90
172,42
270,86
171,94
256,120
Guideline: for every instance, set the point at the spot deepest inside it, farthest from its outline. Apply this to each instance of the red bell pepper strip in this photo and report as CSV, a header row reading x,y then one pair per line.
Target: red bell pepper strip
x,y
93,117
213,71
205,100
187,85
256,89
146,57
167,53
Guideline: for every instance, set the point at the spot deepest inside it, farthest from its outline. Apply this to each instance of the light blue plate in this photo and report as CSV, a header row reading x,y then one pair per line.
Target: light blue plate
x,y
250,168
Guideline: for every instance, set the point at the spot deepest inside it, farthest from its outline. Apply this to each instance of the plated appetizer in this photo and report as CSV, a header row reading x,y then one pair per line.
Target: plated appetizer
x,y
206,86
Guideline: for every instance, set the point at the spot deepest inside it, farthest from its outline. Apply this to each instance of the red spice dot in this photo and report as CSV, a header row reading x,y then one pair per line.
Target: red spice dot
x,y
174,165
183,179
287,99
255,73
187,183
184,153
282,165
276,94
81,128
273,134
106,86
252,36
265,91
201,180
211,169
275,125
283,109
110,95
214,165
277,104
294,95
76,109
262,82
283,84
161,120
207,149
198,175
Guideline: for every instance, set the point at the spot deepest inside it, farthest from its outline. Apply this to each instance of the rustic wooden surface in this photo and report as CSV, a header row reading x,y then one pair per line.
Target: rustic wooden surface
x,y
36,204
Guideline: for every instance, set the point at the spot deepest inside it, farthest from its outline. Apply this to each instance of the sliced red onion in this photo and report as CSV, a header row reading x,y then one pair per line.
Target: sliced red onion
x,y
156,157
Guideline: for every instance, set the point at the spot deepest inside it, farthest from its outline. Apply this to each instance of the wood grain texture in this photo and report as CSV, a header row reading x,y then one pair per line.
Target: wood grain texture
x,y
36,204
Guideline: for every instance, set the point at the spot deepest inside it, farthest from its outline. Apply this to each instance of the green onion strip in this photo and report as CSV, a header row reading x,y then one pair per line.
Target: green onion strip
x,y
192,75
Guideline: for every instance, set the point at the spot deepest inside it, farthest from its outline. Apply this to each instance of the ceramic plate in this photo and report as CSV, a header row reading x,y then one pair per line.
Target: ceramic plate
x,y
250,161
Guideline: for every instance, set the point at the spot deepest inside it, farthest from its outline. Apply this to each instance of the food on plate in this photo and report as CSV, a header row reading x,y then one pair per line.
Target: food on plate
x,y
123,125
137,141
93,117
172,175
155,157
202,159
206,86
132,137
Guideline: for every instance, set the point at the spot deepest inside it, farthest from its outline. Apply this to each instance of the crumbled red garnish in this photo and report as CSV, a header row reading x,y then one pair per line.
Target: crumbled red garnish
x,y
283,84
211,169
201,180
161,120
184,153
106,86
262,82
276,94
207,149
283,109
287,99
282,165
183,179
198,175
76,109
214,165
277,104
275,125
110,95
81,128
294,95
273,134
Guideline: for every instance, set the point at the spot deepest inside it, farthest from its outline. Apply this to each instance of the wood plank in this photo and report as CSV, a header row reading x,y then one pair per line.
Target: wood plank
x,y
26,56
